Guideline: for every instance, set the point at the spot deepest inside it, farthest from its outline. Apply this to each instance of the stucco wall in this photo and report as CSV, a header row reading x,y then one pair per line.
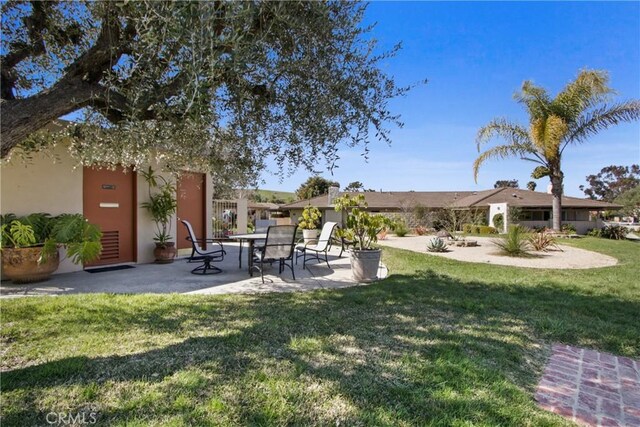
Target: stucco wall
x,y
499,208
53,184
48,183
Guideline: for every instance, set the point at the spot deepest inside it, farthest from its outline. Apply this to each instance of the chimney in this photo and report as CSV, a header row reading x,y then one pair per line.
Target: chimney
x,y
334,192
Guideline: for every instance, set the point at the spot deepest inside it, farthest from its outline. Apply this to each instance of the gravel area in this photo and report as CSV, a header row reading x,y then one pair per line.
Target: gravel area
x,y
488,253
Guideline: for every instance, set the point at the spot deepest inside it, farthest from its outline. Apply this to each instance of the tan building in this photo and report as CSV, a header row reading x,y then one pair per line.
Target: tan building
x,y
535,207
54,183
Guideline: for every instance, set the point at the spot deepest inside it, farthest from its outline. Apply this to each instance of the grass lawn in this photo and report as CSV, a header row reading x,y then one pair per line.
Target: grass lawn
x,y
439,342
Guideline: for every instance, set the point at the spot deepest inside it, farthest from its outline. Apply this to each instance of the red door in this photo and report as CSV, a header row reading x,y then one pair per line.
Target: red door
x,y
191,206
109,201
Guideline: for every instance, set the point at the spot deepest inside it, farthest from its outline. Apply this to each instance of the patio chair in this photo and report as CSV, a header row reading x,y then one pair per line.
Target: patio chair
x,y
322,246
278,246
198,254
344,243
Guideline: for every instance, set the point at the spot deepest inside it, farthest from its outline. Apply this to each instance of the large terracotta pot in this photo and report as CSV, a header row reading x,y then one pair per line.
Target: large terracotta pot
x,y
165,252
310,236
364,264
21,265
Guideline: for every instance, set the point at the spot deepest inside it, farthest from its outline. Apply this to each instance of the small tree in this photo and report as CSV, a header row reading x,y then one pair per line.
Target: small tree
x,y
531,186
362,228
504,183
611,182
314,186
354,186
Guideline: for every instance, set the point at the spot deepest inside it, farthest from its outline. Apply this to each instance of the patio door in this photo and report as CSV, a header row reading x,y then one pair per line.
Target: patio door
x,y
191,192
108,200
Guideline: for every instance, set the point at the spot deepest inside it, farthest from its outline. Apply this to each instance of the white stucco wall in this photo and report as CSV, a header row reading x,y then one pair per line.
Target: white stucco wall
x,y
498,208
48,183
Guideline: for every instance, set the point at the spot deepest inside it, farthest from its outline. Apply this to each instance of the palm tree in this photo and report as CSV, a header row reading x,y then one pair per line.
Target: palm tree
x,y
579,111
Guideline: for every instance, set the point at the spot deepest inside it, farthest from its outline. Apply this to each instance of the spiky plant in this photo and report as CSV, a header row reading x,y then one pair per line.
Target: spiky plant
x,y
543,242
576,113
437,245
515,242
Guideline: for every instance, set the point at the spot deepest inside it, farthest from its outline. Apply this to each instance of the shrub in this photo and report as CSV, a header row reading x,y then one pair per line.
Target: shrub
x,y
436,245
568,228
594,232
615,232
485,229
515,242
421,231
310,219
471,228
543,242
498,221
400,227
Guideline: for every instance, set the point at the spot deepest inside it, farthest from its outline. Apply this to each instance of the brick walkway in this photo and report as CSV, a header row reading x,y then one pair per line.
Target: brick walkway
x,y
591,388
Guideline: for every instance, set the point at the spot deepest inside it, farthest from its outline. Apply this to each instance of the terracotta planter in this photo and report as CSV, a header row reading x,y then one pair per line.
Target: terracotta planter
x,y
165,252
21,265
364,264
310,236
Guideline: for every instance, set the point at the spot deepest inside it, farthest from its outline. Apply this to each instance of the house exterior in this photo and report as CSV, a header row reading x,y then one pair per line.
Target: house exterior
x,y
53,182
535,207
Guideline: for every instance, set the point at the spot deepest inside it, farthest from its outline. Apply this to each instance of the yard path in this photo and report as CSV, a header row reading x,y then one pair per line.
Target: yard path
x,y
487,253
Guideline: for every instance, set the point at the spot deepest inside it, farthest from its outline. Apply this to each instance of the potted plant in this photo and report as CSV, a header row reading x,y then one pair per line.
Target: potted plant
x,y
162,205
30,244
309,223
362,229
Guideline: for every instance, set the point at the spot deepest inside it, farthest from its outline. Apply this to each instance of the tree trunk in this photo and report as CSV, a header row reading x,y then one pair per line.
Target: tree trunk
x,y
556,190
21,117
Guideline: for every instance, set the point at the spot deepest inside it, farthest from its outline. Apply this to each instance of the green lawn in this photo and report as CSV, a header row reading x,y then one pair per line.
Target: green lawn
x,y
439,342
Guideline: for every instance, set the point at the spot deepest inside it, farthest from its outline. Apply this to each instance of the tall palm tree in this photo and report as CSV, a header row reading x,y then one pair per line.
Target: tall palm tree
x,y
579,111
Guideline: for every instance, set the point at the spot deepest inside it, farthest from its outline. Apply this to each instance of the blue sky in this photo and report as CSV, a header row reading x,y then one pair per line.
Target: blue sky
x,y
476,55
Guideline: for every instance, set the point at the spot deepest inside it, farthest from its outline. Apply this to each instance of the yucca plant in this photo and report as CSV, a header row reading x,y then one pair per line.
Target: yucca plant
x,y
543,242
515,243
437,245
579,111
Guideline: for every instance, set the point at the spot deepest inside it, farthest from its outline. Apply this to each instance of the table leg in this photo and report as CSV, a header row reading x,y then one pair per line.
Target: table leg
x,y
250,256
240,255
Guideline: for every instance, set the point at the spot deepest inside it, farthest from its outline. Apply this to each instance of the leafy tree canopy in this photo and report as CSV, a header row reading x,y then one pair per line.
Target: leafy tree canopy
x,y
511,183
314,186
531,185
630,201
611,182
354,186
218,85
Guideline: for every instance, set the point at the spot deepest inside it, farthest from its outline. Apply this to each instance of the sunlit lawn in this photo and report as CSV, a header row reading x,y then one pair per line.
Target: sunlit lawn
x,y
439,342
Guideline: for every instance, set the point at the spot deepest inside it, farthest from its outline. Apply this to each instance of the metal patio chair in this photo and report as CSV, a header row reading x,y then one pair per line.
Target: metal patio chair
x,y
322,246
198,254
278,247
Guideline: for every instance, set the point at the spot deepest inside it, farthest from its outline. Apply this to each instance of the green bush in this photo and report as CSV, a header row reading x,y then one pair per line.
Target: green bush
x,y
498,221
400,228
594,232
471,228
485,229
614,232
436,245
568,228
515,243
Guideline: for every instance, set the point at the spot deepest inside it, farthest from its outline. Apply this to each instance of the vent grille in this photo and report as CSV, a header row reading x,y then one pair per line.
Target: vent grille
x,y
110,245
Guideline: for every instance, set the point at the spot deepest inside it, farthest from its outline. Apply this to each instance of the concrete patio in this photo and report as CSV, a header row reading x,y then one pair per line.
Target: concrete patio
x,y
177,278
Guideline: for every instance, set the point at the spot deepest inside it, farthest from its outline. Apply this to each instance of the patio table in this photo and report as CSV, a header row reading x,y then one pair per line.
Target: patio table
x,y
251,238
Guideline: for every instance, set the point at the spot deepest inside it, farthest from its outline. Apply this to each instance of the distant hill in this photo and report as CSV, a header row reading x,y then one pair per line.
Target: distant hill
x,y
275,196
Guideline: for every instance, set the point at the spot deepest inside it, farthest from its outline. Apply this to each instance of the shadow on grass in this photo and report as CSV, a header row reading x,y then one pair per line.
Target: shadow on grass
x,y
420,348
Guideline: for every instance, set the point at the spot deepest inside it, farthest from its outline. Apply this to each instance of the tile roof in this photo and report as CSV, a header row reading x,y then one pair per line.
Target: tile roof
x,y
460,199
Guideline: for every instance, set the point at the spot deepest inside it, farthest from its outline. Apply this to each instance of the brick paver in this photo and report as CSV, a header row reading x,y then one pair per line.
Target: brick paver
x,y
591,388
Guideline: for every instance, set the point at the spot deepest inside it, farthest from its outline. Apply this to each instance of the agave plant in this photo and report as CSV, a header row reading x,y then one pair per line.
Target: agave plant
x,y
437,245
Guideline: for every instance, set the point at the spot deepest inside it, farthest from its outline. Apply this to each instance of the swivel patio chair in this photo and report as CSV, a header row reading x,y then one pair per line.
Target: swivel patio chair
x,y
321,247
198,254
278,247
